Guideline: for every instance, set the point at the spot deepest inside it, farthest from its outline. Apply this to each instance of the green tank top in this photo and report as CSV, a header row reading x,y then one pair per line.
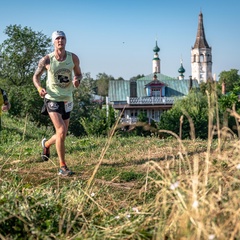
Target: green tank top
x,y
59,84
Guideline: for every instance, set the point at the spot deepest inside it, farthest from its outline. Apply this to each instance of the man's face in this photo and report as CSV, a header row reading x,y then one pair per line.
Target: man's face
x,y
60,43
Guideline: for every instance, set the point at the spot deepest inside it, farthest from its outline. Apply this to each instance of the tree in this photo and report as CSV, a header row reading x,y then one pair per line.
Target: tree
x,y
229,103
102,83
230,99
21,52
83,105
137,77
193,107
210,87
89,117
230,78
99,123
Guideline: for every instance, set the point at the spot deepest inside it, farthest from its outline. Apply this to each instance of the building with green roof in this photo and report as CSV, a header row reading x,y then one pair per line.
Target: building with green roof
x,y
151,94
156,93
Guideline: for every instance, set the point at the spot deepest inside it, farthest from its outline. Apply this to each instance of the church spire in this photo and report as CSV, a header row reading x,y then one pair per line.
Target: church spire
x,y
201,41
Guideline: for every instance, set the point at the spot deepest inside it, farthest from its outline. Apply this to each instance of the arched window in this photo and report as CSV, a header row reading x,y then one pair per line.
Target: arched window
x,y
201,58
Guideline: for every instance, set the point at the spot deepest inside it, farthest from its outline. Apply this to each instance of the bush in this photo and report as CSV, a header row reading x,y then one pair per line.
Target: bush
x,y
25,101
195,106
99,123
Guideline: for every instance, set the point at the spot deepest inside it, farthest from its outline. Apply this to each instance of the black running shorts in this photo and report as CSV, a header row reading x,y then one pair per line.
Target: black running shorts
x,y
59,107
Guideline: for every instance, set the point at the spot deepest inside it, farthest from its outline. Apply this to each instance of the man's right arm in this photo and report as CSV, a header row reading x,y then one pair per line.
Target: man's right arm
x,y
38,73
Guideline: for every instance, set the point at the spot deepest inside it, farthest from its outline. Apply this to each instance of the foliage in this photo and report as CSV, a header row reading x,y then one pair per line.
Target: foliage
x,y
193,107
230,99
88,117
142,117
99,122
142,127
83,104
129,176
25,101
226,102
109,173
210,87
102,83
230,78
137,77
41,204
144,188
229,103
21,52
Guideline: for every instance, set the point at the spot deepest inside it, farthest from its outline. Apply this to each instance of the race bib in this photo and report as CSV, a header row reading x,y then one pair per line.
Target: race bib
x,y
68,106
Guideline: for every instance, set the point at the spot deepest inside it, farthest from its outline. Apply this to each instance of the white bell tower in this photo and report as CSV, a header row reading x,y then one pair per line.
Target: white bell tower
x,y
201,55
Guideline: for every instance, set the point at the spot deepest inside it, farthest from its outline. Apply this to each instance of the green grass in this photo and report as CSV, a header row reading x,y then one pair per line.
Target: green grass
x,y
123,188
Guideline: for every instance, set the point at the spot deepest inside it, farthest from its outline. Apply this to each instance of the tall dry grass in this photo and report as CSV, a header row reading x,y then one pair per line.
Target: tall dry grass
x,y
189,189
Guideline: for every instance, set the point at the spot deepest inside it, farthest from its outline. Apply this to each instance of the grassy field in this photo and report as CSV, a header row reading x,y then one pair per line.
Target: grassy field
x,y
123,188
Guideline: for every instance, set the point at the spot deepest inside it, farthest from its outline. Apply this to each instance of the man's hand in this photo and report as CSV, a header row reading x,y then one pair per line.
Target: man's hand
x,y
42,92
6,107
76,81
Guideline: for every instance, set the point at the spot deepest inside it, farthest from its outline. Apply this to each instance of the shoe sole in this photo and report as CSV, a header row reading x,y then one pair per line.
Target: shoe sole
x,y
44,157
66,175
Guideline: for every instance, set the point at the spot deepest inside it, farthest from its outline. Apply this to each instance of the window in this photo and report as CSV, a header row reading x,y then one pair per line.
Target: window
x,y
156,92
133,113
133,89
154,114
194,58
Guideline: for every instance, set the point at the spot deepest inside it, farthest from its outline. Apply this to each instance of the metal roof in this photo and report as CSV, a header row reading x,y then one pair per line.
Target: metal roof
x,y
119,90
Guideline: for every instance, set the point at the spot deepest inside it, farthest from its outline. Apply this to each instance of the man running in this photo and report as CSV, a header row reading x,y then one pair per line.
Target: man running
x,y
58,98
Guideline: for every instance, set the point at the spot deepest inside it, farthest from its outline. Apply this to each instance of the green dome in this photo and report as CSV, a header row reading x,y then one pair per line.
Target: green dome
x,y
156,48
181,69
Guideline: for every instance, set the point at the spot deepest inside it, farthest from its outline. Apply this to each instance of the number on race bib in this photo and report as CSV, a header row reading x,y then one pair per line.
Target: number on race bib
x,y
68,106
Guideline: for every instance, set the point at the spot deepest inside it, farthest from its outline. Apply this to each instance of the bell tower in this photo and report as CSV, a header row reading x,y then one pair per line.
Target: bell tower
x,y
201,55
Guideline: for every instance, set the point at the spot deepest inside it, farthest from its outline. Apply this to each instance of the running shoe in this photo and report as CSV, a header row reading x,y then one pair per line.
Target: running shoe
x,y
65,172
46,151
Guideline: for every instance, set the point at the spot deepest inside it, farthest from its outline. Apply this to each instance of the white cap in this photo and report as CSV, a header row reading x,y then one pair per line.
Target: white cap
x,y
57,34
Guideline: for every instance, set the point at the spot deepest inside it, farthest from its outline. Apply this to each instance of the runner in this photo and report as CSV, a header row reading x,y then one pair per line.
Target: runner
x,y
58,98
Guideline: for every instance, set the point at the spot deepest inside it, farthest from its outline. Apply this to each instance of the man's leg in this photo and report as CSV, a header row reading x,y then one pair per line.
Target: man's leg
x,y
61,128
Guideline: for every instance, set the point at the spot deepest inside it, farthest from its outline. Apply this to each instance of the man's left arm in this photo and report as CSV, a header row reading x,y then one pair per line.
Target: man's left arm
x,y
77,71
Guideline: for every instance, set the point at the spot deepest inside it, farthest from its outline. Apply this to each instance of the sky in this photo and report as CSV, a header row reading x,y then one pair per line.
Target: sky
x,y
117,37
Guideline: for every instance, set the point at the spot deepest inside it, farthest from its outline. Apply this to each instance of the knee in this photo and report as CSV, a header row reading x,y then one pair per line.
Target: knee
x,y
61,132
